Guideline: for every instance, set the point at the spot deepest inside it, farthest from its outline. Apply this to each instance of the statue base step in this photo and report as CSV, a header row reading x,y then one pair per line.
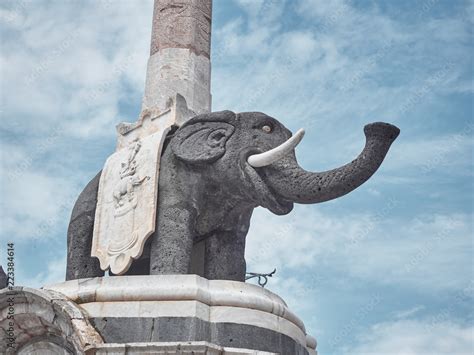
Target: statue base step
x,y
196,348
156,314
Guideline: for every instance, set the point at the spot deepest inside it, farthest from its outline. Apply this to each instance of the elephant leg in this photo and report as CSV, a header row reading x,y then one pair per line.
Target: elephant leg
x,y
225,256
172,244
80,264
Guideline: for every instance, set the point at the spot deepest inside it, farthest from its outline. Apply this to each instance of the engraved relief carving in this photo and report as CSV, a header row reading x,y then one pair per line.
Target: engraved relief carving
x,y
124,192
126,202
128,191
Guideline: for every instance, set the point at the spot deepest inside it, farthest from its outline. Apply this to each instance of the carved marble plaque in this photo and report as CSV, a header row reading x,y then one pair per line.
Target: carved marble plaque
x,y
128,189
126,206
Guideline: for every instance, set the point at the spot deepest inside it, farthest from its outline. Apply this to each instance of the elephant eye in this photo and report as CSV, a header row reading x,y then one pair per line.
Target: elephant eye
x,y
267,128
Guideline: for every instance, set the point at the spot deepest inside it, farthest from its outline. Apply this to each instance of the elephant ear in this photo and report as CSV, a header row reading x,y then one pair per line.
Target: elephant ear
x,y
201,142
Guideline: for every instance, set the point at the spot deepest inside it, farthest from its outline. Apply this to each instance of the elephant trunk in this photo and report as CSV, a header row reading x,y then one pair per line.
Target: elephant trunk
x,y
293,183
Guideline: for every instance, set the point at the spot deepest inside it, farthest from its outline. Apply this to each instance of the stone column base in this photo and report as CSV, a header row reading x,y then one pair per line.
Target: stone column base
x,y
159,314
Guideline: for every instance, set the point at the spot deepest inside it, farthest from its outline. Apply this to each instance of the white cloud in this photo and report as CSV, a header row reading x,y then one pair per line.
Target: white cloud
x,y
450,151
59,64
34,205
431,252
409,312
374,192
415,337
53,273
262,12
427,252
332,11
288,242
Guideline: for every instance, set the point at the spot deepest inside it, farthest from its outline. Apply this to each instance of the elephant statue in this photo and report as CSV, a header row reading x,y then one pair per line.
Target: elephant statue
x,y
214,170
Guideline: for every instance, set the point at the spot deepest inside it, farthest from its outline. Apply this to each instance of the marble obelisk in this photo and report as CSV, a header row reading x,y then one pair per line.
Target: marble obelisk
x,y
179,60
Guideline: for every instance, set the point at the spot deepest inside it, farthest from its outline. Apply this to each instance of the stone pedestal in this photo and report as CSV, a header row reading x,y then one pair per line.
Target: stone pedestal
x,y
163,314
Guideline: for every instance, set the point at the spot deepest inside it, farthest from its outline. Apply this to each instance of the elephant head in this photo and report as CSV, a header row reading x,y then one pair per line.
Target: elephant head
x,y
254,153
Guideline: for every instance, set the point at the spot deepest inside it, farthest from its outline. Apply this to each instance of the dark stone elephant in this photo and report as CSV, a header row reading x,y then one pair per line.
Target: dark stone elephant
x,y
215,169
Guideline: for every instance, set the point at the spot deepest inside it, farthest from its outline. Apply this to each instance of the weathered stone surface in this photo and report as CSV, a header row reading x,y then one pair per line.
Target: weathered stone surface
x,y
179,55
80,263
180,308
43,323
215,203
128,189
311,342
208,190
3,278
178,348
45,347
126,204
133,330
173,71
241,336
295,184
153,121
169,288
182,24
183,308
127,195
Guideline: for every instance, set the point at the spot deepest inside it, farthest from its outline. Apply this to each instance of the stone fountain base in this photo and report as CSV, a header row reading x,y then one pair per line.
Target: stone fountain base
x,y
165,314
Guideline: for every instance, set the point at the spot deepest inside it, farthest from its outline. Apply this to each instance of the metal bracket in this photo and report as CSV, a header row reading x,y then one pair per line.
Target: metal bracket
x,y
262,278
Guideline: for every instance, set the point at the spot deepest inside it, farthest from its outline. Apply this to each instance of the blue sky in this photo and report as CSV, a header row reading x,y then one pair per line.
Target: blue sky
x,y
385,269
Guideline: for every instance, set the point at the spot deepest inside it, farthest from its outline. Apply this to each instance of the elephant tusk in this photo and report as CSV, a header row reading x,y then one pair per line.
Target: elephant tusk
x,y
275,154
